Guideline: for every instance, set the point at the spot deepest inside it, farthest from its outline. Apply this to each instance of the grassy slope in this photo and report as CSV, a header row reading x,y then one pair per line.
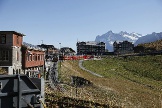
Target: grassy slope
x,y
138,79
122,85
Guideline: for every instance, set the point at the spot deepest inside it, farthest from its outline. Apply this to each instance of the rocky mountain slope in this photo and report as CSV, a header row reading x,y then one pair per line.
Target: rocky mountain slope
x,y
149,38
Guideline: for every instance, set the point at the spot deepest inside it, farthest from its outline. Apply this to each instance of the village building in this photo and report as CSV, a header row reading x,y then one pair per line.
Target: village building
x,y
66,51
90,48
18,57
10,51
50,49
32,59
124,47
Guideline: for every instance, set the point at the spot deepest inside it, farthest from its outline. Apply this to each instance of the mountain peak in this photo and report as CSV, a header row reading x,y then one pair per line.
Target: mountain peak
x,y
123,32
109,38
110,32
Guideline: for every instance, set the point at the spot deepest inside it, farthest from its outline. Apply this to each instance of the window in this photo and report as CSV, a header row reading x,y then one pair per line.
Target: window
x,y
38,57
2,39
35,57
4,55
27,57
17,58
41,57
17,39
30,57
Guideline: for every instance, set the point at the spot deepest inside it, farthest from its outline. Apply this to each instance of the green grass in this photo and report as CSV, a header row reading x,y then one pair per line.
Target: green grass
x,y
148,66
130,83
141,76
133,68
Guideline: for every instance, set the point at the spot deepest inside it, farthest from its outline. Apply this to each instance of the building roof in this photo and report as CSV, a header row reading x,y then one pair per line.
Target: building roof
x,y
34,47
14,32
67,50
91,43
123,42
47,46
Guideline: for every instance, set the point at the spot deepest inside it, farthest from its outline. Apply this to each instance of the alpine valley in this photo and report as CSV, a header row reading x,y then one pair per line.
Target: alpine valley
x,y
109,38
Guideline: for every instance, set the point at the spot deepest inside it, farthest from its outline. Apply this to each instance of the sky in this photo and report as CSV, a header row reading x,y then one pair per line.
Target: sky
x,y
64,22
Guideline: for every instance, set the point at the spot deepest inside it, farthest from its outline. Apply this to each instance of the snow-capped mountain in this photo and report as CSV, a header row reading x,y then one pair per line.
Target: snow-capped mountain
x,y
109,38
149,38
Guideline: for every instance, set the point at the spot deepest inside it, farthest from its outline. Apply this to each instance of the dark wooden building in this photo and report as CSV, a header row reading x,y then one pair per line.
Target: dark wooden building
x,y
124,47
66,51
90,48
50,49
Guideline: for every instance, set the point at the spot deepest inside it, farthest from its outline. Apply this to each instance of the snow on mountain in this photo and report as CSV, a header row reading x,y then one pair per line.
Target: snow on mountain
x,y
109,38
149,38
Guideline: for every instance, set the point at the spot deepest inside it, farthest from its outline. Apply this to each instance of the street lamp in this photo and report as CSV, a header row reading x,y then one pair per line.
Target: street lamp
x,y
60,45
60,60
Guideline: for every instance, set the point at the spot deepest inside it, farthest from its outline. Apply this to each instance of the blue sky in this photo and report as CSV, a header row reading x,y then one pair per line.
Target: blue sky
x,y
66,21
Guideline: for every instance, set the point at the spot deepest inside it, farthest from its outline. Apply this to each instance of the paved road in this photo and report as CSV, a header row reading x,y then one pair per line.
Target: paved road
x,y
81,66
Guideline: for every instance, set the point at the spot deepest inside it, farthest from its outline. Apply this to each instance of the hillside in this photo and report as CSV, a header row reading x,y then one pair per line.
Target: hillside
x,y
129,83
136,79
157,45
149,38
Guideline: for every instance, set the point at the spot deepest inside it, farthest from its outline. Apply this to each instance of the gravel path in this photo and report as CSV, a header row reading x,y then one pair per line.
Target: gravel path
x,y
81,66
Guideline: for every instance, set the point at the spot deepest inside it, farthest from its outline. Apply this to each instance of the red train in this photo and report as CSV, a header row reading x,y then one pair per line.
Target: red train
x,y
78,57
